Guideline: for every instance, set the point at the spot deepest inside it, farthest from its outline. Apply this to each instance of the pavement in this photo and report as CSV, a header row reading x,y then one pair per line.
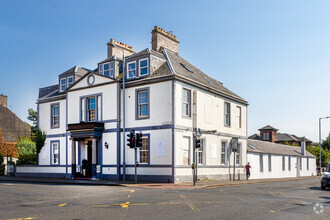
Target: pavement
x,y
183,185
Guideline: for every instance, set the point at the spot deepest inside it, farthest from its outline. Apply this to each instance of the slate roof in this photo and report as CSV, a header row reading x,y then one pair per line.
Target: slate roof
x,y
47,90
265,147
255,137
290,137
77,70
268,127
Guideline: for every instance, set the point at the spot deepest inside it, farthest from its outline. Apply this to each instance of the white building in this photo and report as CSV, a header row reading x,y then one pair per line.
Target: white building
x,y
271,160
83,118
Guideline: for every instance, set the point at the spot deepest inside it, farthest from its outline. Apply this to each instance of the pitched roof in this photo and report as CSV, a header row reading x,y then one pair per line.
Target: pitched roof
x,y
255,137
183,68
47,90
265,147
268,127
290,137
77,70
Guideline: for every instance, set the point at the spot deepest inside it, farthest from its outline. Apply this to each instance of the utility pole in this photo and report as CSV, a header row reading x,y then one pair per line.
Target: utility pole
x,y
194,134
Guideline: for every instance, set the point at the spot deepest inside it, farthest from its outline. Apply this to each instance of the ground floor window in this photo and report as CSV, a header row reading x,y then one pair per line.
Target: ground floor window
x,y
54,147
144,151
307,164
269,163
199,152
186,151
283,162
223,152
238,154
289,163
261,162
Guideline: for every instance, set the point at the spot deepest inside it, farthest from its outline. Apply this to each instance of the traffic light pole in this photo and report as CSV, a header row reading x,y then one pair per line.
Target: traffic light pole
x,y
135,151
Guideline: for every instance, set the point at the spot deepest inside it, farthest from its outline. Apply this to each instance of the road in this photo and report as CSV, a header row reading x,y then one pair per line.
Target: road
x,y
278,200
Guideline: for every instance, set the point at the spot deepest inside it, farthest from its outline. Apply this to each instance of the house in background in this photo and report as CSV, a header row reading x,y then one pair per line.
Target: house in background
x,y
271,134
272,160
11,129
83,118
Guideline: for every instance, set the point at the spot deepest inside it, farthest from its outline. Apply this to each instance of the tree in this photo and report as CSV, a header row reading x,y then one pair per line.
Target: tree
x,y
40,140
326,143
33,116
325,155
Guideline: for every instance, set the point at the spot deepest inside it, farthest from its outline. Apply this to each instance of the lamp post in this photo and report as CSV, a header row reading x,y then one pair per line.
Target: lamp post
x,y
124,157
320,136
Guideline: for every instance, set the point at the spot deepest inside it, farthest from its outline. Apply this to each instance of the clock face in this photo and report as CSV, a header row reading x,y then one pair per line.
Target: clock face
x,y
90,80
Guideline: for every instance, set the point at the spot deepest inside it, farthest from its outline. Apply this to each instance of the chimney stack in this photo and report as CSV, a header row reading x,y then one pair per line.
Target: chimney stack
x,y
303,146
3,100
116,48
162,38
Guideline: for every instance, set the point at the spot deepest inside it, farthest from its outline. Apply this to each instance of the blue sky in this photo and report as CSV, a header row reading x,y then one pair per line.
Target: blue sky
x,y
275,54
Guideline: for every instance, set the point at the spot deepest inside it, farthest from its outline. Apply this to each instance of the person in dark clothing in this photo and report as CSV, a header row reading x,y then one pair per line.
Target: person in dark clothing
x,y
247,170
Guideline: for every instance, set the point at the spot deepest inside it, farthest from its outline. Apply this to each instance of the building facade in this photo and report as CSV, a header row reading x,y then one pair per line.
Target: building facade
x,y
166,98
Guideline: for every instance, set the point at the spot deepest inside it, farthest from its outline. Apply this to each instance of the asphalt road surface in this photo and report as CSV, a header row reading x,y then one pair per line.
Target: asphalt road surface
x,y
281,200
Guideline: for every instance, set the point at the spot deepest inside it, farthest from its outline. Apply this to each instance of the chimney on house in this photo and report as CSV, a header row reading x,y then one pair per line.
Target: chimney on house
x,y
162,38
116,48
3,100
303,146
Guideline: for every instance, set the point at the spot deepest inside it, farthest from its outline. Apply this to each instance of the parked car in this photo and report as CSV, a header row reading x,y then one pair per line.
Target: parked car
x,y
325,181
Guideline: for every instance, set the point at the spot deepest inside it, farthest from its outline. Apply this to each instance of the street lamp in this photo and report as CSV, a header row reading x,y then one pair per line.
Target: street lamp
x,y
320,136
124,158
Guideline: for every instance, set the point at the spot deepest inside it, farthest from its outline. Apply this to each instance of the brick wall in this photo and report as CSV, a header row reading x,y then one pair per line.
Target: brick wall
x,y
162,38
8,148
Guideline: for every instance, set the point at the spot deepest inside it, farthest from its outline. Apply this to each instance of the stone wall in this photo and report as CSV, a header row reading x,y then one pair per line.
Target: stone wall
x,y
8,148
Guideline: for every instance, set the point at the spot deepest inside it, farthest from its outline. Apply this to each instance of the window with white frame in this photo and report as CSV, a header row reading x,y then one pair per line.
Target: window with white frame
x,y
199,152
239,116
261,163
55,153
283,163
112,69
106,69
186,151
289,163
223,152
269,163
63,84
143,65
131,69
144,151
91,109
70,81
227,114
238,154
186,102
55,116
266,136
101,69
142,103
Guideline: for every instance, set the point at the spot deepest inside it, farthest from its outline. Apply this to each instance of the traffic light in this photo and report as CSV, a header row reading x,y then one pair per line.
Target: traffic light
x,y
198,143
131,139
139,140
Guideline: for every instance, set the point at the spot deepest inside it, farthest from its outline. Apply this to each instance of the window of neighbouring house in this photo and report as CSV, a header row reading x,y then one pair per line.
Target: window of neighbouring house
x,y
227,114
186,102
223,152
261,163
91,109
144,151
289,163
142,103
269,163
131,69
200,152
300,160
283,163
55,116
266,136
70,81
55,152
238,154
307,163
63,84
143,67
239,116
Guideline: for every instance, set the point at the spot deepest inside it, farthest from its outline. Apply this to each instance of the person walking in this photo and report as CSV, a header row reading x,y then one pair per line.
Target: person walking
x,y
247,170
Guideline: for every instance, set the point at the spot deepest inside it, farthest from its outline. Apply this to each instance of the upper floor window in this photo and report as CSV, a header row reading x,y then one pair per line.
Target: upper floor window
x,y
55,116
143,67
106,69
186,102
144,151
91,109
131,69
70,81
101,69
142,103
266,136
227,113
239,116
63,84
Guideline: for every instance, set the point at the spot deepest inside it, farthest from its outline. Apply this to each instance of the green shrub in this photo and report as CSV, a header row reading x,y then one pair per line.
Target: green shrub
x,y
27,153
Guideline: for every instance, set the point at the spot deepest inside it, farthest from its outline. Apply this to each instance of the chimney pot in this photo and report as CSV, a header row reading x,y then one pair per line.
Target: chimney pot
x,y
3,100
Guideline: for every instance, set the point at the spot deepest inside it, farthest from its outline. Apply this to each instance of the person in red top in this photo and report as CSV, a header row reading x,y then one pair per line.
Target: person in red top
x,y
247,170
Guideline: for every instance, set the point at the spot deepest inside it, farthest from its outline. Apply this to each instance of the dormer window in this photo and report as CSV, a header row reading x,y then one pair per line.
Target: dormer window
x,y
106,69
70,81
143,67
131,69
63,84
